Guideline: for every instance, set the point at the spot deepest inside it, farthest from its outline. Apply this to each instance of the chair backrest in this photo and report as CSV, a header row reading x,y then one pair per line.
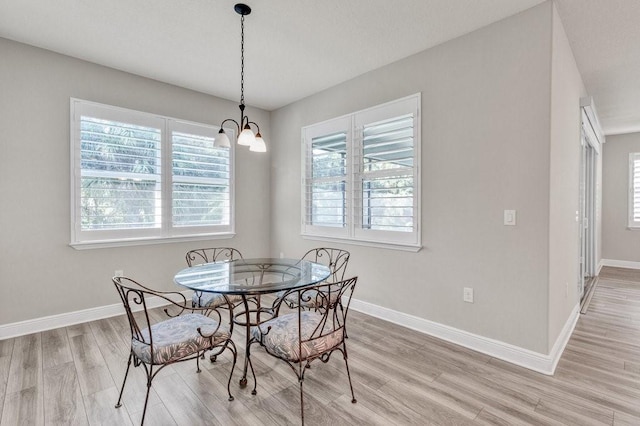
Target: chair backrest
x,y
134,298
332,301
335,259
212,254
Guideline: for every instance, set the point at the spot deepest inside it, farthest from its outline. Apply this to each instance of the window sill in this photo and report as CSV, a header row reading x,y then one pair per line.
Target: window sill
x,y
377,244
87,245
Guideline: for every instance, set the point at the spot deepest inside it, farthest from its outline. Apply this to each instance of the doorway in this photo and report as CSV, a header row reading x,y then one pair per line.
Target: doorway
x,y
590,149
587,215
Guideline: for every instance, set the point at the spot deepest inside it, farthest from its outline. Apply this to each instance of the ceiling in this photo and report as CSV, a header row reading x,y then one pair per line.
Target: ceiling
x,y
294,48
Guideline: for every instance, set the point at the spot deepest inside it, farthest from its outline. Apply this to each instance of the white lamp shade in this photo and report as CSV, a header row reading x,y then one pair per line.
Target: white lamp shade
x,y
221,140
259,145
246,138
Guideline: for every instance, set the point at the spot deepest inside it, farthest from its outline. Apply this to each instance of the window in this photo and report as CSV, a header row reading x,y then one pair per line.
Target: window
x,y
142,177
634,190
361,176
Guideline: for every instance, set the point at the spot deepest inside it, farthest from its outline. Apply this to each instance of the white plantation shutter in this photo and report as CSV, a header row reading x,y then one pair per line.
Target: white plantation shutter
x,y
634,190
386,178
138,176
326,183
362,176
201,180
328,179
120,175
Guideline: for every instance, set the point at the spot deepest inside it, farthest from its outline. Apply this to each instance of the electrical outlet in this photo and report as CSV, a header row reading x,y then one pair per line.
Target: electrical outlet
x,y
510,217
118,273
467,295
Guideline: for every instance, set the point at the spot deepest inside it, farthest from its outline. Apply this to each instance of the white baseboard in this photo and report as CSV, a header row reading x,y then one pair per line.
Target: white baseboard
x,y
620,263
71,318
541,363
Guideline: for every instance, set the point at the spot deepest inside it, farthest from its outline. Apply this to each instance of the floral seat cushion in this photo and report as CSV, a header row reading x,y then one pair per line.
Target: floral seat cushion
x,y
280,336
213,300
178,337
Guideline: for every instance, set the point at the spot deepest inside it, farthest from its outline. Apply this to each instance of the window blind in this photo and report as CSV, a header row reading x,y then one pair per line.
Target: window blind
x,y
120,175
387,183
201,181
326,184
634,189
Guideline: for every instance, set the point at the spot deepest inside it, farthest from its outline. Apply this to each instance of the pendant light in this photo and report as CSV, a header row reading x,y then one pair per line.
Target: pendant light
x,y
245,133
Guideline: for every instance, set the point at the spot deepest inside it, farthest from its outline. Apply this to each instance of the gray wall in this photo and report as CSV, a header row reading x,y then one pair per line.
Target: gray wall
x,y
486,146
40,274
618,242
564,168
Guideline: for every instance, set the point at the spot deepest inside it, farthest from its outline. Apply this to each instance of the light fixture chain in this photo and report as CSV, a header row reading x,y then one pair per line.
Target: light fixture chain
x,y
242,60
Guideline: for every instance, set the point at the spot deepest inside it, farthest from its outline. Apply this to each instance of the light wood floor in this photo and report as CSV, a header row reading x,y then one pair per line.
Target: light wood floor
x,y
71,376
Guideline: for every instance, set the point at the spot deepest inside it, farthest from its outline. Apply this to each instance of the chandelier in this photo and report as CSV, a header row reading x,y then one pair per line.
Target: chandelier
x,y
245,134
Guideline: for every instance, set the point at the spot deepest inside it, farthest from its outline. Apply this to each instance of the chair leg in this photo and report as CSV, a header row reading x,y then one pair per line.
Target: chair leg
x,y
214,355
119,403
301,401
198,362
255,382
346,363
146,398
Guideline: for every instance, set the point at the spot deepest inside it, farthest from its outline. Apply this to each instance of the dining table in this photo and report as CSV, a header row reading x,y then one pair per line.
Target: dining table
x,y
250,279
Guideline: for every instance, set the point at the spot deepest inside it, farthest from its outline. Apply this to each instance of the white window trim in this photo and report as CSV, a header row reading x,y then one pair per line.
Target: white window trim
x,y
135,237
352,234
631,224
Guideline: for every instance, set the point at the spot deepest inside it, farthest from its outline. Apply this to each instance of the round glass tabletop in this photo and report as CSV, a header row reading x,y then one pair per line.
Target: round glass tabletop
x,y
252,276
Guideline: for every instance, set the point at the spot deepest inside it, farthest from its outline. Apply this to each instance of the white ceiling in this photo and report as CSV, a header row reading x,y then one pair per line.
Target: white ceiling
x,y
294,48
605,39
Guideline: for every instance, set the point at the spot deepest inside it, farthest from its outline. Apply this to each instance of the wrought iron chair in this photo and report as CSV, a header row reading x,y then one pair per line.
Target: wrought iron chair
x,y
206,255
187,333
337,261
304,335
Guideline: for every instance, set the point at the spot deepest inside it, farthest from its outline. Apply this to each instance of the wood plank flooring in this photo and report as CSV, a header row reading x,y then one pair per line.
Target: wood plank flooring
x,y
71,376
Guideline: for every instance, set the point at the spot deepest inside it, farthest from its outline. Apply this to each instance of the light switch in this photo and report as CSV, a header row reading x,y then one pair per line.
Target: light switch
x,y
467,294
510,217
